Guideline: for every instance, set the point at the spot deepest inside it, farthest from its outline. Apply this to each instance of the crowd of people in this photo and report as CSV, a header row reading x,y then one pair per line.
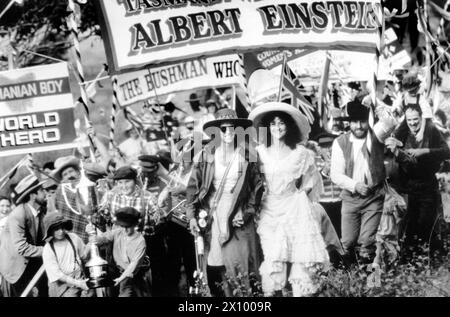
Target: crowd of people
x,y
279,208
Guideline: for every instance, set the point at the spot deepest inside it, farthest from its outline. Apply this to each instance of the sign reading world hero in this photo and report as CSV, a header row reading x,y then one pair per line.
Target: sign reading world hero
x,y
36,110
141,32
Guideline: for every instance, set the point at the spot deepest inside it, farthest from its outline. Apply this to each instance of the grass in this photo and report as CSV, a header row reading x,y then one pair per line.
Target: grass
x,y
418,277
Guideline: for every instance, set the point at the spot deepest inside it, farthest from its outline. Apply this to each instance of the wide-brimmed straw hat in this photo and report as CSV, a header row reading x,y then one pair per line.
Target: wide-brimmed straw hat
x,y
300,119
62,163
54,220
26,186
227,115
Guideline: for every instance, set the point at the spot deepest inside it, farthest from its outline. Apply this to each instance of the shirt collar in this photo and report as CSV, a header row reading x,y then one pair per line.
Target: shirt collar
x,y
33,210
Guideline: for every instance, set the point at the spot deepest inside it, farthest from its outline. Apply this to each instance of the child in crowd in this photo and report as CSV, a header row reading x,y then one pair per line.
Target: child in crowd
x,y
63,257
128,251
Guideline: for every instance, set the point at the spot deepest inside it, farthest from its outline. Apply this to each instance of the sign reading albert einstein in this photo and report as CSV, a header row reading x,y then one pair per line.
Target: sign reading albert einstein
x,y
141,32
36,110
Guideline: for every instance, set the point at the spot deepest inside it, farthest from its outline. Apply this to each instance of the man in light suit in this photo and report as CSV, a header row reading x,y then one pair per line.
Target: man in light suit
x,y
21,241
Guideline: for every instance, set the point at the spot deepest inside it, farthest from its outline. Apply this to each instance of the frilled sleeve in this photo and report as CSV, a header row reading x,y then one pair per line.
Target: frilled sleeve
x,y
309,175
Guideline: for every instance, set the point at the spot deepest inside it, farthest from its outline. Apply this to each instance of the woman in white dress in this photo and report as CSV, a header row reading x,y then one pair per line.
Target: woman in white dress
x,y
288,229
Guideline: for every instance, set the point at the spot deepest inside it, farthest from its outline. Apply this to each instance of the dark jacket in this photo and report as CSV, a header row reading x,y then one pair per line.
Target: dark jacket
x,y
247,193
420,175
19,242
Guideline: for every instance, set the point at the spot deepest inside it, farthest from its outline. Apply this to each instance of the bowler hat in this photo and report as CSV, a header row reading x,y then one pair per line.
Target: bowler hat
x,y
25,187
127,217
54,220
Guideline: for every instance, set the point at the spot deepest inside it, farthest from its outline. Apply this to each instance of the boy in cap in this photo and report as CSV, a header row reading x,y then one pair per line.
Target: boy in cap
x,y
63,257
128,251
128,193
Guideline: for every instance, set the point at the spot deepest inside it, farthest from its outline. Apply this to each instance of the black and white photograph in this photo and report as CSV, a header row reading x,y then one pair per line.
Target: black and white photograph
x,y
224,154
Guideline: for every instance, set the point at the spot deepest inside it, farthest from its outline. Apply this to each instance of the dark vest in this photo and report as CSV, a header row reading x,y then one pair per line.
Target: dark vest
x,y
376,158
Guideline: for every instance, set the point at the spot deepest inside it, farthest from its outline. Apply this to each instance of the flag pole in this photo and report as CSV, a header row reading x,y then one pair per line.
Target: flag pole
x,y
283,67
323,88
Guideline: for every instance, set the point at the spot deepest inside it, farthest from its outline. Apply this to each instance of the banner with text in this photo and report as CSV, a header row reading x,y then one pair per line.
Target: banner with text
x,y
192,74
36,110
152,32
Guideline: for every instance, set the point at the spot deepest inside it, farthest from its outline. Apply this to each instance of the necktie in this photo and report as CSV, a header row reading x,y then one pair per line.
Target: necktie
x,y
39,233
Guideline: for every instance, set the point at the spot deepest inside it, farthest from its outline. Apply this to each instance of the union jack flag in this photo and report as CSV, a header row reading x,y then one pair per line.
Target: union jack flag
x,y
289,91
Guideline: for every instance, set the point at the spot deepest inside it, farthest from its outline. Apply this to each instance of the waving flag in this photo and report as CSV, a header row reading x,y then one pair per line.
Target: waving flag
x,y
289,91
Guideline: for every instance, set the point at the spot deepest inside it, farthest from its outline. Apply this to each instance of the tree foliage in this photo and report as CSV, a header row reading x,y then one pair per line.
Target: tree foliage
x,y
40,26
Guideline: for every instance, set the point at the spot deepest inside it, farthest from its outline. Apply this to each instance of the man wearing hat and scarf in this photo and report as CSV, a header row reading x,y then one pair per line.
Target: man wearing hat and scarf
x,y
22,239
357,166
63,257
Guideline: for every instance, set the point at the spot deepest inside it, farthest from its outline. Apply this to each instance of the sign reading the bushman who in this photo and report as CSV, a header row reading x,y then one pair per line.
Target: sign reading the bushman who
x,y
196,73
36,110
141,32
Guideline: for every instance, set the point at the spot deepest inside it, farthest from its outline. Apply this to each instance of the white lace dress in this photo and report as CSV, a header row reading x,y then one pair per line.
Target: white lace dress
x,y
288,229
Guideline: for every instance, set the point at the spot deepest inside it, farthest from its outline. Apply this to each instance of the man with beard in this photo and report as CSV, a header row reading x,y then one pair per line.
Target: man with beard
x,y
67,170
357,166
419,151
21,241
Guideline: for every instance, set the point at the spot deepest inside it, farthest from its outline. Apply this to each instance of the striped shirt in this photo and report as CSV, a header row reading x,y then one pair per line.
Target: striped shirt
x,y
143,201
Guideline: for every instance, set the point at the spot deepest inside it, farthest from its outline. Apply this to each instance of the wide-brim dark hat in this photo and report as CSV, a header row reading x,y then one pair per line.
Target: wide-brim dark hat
x,y
25,187
127,217
356,112
54,220
227,115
